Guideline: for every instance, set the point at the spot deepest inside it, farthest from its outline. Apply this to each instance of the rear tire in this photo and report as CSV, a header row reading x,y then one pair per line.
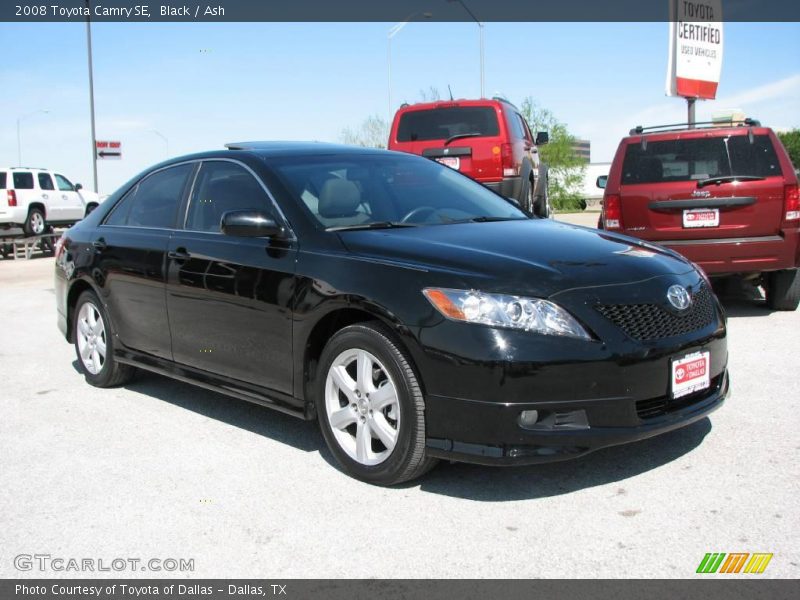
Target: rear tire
x,y
370,406
35,224
94,344
783,289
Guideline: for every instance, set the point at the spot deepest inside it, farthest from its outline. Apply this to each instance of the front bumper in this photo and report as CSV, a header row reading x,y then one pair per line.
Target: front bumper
x,y
636,421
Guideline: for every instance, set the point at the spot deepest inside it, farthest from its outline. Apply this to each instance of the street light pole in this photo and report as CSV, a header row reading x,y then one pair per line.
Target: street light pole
x,y
19,135
392,32
91,90
480,34
163,137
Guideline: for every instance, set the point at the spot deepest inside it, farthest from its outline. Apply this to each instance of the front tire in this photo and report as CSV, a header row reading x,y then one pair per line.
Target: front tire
x,y
35,224
370,407
94,344
783,289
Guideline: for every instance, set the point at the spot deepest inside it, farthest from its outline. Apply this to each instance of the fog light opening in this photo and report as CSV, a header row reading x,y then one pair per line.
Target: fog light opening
x,y
528,418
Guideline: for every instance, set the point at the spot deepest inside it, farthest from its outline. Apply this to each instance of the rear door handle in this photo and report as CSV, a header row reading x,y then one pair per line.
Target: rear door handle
x,y
100,244
45,196
179,254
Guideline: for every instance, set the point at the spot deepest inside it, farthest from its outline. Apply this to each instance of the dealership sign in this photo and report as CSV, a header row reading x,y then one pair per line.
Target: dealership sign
x,y
108,149
695,48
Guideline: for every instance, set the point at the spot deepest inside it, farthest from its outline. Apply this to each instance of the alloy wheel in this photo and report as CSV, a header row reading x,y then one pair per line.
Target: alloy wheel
x,y
37,223
362,406
91,338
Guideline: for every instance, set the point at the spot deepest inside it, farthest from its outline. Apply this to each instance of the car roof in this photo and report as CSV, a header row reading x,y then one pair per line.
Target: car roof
x,y
24,169
453,103
292,148
668,132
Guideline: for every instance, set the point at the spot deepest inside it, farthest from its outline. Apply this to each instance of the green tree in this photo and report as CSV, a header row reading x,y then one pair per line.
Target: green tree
x,y
372,133
566,168
791,141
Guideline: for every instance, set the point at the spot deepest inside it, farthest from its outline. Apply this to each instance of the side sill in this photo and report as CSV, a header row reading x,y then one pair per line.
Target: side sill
x,y
269,398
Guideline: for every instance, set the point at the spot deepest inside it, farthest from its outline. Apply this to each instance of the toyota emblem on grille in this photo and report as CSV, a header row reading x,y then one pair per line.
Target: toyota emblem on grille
x,y
679,297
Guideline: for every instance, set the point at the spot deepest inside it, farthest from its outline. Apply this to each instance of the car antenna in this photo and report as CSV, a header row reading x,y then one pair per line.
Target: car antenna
x,y
451,92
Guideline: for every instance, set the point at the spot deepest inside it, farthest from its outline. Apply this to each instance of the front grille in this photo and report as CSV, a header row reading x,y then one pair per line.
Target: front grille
x,y
653,322
657,407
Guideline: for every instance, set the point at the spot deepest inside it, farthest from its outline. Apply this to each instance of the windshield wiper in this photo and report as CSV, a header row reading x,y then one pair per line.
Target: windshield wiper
x,y
459,136
373,225
728,178
494,219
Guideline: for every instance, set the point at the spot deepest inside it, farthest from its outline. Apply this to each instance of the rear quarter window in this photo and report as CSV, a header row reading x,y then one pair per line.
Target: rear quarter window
x,y
23,181
699,158
443,123
2,180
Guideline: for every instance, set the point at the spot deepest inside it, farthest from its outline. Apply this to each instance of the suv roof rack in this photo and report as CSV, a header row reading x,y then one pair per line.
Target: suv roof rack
x,y
748,122
503,99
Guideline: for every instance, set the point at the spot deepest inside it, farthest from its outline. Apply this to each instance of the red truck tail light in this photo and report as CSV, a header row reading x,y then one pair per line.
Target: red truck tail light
x,y
791,203
612,211
507,160
12,198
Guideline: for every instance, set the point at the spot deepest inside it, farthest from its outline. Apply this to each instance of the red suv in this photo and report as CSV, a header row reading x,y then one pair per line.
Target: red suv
x,y
724,197
488,140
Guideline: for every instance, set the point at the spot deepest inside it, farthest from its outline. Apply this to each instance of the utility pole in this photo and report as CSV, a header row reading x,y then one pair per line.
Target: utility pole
x,y
91,91
690,110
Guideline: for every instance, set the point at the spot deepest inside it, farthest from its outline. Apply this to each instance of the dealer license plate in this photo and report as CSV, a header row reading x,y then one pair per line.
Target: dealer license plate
x,y
450,161
691,374
701,217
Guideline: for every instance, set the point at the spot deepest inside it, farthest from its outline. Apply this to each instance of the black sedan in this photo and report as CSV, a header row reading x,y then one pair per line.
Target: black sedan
x,y
414,313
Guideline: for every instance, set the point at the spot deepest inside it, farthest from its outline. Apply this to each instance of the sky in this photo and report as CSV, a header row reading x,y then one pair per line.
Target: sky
x,y
202,85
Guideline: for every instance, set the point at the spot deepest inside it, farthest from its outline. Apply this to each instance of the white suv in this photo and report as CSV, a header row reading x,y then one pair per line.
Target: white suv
x,y
36,199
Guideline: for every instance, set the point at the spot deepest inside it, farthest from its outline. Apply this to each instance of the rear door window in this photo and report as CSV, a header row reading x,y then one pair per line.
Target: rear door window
x,y
699,158
23,181
3,180
443,123
154,201
45,181
515,123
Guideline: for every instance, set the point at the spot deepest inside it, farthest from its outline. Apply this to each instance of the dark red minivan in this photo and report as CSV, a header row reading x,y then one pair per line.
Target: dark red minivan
x,y
725,197
488,140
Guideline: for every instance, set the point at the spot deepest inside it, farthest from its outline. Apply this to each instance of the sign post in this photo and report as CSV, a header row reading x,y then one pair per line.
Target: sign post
x,y
695,51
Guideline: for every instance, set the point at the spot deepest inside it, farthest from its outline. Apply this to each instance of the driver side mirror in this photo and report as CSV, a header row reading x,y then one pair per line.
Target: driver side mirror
x,y
78,187
250,223
542,137
602,181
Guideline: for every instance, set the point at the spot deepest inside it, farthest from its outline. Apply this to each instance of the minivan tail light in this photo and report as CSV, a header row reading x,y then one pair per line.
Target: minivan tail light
x,y
612,211
507,161
791,202
12,198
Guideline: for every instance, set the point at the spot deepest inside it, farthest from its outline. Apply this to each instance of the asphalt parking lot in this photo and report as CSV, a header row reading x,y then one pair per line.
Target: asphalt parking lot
x,y
161,469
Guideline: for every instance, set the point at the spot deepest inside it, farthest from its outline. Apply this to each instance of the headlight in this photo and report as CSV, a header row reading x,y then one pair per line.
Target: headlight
x,y
499,310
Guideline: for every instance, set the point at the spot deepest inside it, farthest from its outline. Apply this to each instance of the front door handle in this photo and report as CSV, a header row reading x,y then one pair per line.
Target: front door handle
x,y
179,254
45,196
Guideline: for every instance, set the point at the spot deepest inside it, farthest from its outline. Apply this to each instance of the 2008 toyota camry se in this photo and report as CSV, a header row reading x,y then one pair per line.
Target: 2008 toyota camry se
x,y
411,311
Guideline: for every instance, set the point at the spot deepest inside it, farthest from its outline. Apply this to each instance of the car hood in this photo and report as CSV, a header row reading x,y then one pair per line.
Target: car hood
x,y
537,256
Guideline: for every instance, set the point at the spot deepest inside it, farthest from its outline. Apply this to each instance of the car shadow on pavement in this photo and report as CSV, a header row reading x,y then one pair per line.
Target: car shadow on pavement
x,y
741,298
475,482
251,417
609,465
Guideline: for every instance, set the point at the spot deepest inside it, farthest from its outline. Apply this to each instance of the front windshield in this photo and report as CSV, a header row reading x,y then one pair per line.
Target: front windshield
x,y
352,190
